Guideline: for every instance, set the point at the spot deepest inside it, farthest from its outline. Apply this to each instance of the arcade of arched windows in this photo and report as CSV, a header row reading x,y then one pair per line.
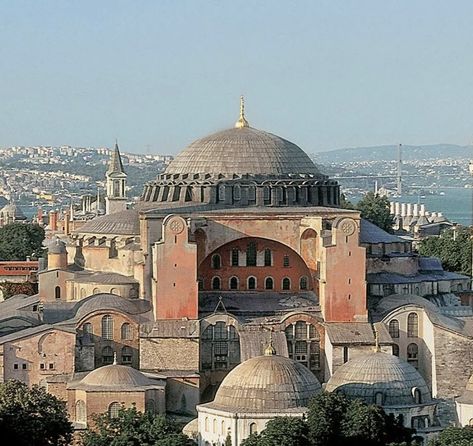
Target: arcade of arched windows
x,y
219,347
112,334
303,344
254,264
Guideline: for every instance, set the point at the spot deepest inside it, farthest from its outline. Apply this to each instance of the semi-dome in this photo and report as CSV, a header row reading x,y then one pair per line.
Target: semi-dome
x,y
241,151
380,376
114,377
118,223
267,384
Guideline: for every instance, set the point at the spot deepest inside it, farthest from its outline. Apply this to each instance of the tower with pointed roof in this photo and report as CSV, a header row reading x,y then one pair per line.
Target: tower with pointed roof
x,y
116,184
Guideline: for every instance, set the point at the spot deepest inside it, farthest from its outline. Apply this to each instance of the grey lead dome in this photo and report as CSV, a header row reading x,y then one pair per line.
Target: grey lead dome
x,y
267,384
365,376
241,151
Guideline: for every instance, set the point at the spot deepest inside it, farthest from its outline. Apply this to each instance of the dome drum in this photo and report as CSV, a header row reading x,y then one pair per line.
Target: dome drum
x,y
264,191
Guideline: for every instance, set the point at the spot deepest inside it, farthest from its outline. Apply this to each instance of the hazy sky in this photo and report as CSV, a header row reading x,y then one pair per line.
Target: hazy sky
x,y
159,74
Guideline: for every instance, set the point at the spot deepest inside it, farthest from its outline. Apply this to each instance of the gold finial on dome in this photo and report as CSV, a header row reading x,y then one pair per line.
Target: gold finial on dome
x,y
270,350
242,122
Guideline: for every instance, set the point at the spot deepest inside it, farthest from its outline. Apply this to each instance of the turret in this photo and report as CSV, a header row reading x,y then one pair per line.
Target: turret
x,y
116,184
57,255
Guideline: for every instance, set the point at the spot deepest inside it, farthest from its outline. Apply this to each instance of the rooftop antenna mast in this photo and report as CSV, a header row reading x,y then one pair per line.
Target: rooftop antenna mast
x,y
399,169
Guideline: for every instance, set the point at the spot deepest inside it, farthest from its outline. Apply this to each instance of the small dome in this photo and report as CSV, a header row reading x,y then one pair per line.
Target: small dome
x,y
115,377
57,247
241,151
366,376
267,384
119,223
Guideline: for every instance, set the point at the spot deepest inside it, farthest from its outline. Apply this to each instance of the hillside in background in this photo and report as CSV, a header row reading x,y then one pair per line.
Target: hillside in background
x,y
389,153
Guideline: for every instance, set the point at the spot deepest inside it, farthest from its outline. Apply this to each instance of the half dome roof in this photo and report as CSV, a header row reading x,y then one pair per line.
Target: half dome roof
x,y
241,151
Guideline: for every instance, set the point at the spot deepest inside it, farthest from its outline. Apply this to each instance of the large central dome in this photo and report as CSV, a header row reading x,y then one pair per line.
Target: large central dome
x,y
242,150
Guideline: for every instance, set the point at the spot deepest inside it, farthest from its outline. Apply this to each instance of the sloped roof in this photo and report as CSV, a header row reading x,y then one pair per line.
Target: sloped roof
x,y
119,223
370,234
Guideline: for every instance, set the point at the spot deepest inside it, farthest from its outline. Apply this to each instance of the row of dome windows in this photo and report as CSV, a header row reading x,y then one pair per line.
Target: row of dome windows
x,y
251,283
251,426
126,330
412,326
251,258
113,409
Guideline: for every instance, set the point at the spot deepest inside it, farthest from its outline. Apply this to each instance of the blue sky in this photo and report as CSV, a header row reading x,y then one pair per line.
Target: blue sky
x,y
159,74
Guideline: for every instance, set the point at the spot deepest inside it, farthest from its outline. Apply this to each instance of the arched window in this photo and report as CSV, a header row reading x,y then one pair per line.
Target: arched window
x,y
251,254
96,291
113,410
206,424
303,283
286,283
417,395
149,406
127,355
107,355
82,293
252,283
115,291
395,350
412,325
301,330
57,292
107,327
470,423
285,261
268,283
459,287
87,328
253,428
379,398
235,257
220,347
234,283
222,427
268,257
126,332
216,283
216,261
214,426
81,415
394,328
413,355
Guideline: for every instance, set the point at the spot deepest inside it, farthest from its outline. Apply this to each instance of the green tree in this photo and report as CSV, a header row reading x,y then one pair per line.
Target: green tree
x,y
453,247
335,420
134,428
376,209
324,418
33,417
454,436
281,431
21,240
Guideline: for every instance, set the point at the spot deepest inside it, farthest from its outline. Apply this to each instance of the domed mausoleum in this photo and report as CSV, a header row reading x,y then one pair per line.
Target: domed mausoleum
x,y
253,393
106,389
387,381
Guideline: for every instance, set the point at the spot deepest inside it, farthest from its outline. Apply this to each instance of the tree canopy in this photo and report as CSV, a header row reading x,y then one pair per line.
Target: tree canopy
x,y
334,420
21,240
453,247
134,428
281,431
33,417
376,209
454,436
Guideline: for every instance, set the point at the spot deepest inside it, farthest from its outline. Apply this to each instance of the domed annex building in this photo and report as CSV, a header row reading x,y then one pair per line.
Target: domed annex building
x,y
388,381
240,240
253,393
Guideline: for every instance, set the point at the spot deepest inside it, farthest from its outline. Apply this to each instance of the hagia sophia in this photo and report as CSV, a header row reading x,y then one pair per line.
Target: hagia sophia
x,y
235,290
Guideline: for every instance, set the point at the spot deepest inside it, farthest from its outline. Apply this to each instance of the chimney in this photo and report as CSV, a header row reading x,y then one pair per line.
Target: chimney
x,y
416,210
391,208
397,209
403,209
422,210
409,209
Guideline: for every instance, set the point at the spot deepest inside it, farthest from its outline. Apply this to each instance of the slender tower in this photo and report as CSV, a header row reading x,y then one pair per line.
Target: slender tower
x,y
399,169
116,184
